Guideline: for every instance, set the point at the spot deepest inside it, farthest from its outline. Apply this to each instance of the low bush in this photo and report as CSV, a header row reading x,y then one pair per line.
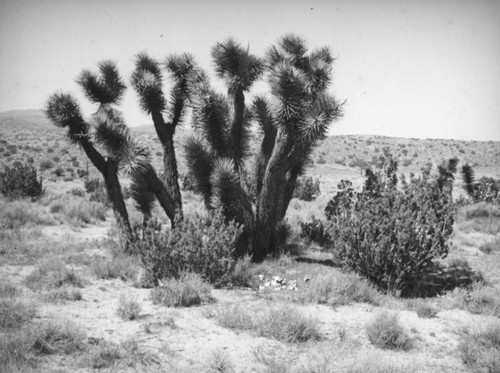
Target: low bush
x,y
315,231
479,299
189,290
46,165
490,246
480,350
57,337
391,234
200,245
14,313
122,266
128,308
306,188
422,308
386,332
122,357
50,275
20,181
243,274
19,214
339,289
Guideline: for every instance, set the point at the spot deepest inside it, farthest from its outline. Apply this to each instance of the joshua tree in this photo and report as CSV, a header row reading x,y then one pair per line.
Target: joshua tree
x,y
147,82
292,121
109,145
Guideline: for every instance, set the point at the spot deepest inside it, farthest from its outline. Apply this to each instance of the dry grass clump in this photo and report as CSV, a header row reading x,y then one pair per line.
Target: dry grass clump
x,y
18,214
282,322
126,355
338,289
423,308
55,281
220,363
386,332
19,350
189,290
480,217
480,350
491,246
243,274
14,313
128,308
79,211
480,299
122,266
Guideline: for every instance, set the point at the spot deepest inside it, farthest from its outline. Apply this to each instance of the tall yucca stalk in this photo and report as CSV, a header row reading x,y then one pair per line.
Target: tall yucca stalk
x,y
108,143
147,80
292,120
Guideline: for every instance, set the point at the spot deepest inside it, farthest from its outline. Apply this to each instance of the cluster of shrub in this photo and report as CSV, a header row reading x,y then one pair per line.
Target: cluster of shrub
x,y
394,231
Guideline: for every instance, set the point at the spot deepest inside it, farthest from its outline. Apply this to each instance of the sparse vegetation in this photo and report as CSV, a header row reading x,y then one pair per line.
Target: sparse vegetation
x,y
385,331
128,308
189,290
480,349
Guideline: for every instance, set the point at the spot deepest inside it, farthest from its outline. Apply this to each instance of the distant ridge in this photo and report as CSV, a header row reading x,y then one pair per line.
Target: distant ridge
x,y
23,113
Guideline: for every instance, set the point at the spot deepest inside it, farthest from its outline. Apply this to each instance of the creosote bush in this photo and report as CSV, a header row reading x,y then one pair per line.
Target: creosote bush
x,y
20,181
202,245
391,234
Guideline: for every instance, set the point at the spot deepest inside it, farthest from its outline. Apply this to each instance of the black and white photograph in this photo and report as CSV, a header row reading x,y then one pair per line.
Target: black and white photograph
x,y
275,186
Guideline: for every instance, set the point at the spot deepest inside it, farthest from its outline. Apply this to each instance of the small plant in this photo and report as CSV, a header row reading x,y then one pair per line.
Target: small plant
x,y
58,337
480,350
423,308
59,171
189,290
220,363
122,266
306,188
46,165
20,181
128,308
386,332
243,274
490,246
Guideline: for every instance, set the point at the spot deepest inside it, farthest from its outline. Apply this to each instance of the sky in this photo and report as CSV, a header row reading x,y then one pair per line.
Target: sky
x,y
424,69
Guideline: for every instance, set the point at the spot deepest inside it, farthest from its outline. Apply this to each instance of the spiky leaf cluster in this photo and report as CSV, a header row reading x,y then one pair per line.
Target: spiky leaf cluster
x,y
106,88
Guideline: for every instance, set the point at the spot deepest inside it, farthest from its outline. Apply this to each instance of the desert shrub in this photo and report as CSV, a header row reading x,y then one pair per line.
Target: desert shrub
x,y
423,308
479,299
486,189
128,308
438,278
390,235
320,160
14,313
282,322
122,266
46,165
18,214
306,188
91,185
52,274
77,192
122,357
490,246
203,245
385,331
58,337
338,289
315,231
20,181
189,290
480,349
58,171
242,274
83,211
480,217
56,159
81,173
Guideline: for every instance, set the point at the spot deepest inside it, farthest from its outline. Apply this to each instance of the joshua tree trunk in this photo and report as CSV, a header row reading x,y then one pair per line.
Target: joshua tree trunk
x,y
110,174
